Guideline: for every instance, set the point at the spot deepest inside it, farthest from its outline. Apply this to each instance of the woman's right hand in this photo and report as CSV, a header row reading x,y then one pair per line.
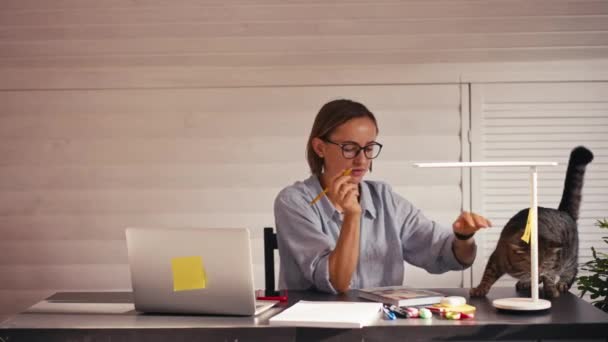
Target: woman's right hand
x,y
344,194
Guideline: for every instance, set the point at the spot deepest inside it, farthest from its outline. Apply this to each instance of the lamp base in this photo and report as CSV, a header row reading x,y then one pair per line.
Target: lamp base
x,y
521,304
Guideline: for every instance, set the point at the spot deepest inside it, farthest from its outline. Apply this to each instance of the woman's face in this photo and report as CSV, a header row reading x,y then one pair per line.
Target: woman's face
x,y
352,135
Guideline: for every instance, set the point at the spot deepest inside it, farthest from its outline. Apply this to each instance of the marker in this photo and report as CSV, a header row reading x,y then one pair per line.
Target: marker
x,y
399,312
280,295
388,313
320,195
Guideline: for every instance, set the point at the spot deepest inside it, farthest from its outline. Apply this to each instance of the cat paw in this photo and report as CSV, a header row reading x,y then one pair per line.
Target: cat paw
x,y
523,286
562,286
478,291
551,293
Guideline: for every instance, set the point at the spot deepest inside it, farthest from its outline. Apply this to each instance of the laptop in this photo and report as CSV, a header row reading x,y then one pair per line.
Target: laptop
x,y
193,271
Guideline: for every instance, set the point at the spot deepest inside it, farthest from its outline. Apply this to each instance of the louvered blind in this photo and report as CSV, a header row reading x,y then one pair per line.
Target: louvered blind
x,y
542,122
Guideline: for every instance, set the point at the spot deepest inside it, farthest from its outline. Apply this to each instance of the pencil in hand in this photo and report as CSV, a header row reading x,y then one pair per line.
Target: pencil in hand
x,y
320,195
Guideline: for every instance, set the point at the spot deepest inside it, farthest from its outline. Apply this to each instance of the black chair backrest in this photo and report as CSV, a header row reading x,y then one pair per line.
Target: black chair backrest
x,y
270,244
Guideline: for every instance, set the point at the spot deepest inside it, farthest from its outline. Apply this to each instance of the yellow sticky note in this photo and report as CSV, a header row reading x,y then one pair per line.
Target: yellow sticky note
x,y
528,231
188,273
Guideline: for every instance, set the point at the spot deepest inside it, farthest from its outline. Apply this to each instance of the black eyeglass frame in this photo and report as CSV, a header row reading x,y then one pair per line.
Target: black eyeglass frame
x,y
361,148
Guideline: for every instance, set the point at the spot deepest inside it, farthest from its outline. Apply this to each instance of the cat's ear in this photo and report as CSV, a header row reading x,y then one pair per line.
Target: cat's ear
x,y
518,248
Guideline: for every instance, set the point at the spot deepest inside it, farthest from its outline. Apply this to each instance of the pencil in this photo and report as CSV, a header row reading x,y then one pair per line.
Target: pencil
x,y
320,195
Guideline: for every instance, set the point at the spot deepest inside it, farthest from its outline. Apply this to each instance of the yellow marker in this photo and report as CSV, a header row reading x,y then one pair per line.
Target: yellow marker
x,y
528,231
345,173
188,273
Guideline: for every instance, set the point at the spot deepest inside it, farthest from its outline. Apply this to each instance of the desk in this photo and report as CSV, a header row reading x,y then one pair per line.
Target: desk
x,y
569,318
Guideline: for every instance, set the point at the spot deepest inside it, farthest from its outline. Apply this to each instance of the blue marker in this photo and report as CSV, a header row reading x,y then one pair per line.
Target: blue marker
x,y
388,313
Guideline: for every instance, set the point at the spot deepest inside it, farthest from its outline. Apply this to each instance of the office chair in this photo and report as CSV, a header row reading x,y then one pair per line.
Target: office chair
x,y
270,244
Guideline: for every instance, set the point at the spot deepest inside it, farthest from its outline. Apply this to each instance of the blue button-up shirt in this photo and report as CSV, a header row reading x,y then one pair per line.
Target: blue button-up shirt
x,y
392,230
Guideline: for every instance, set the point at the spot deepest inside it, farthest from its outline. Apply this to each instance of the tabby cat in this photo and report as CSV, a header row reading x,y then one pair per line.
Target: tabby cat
x,y
557,235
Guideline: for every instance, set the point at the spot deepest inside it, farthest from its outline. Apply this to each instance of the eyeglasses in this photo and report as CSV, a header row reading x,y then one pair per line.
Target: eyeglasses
x,y
351,150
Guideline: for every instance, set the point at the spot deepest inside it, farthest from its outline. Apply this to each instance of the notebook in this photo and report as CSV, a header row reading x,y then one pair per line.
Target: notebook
x,y
328,314
400,295
193,271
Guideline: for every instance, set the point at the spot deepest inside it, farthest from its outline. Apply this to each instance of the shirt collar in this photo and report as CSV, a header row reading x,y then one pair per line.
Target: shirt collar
x,y
367,203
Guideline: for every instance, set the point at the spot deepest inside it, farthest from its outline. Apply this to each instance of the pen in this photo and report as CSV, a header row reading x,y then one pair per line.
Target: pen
x,y
388,313
320,195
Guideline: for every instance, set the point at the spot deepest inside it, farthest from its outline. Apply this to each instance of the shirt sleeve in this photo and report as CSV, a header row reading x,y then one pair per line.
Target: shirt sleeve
x,y
300,237
425,243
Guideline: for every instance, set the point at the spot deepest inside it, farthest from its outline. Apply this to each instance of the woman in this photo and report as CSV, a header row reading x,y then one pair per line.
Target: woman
x,y
360,232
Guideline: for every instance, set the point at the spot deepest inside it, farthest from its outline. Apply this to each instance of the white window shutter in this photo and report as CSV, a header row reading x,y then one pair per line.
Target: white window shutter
x,y
540,122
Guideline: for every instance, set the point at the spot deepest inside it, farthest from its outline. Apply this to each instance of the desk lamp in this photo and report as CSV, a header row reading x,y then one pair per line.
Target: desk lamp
x,y
517,303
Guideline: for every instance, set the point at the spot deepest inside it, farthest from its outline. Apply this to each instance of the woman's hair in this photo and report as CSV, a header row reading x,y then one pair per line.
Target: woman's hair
x,y
332,115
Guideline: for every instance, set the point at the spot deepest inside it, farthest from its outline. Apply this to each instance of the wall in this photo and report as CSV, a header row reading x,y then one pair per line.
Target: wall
x,y
141,113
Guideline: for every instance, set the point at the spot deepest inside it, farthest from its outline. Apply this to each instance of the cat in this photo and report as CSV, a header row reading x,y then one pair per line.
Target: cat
x,y
557,235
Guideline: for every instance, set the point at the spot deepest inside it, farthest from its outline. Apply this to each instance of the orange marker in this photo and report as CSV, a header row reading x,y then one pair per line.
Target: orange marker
x,y
345,173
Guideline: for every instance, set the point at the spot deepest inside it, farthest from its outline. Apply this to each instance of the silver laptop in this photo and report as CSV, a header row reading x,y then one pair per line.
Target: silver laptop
x,y
193,271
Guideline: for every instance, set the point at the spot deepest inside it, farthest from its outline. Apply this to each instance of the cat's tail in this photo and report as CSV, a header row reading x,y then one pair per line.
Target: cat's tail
x,y
573,185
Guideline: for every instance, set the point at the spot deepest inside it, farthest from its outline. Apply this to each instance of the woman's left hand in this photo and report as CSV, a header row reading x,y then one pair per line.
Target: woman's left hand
x,y
468,223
